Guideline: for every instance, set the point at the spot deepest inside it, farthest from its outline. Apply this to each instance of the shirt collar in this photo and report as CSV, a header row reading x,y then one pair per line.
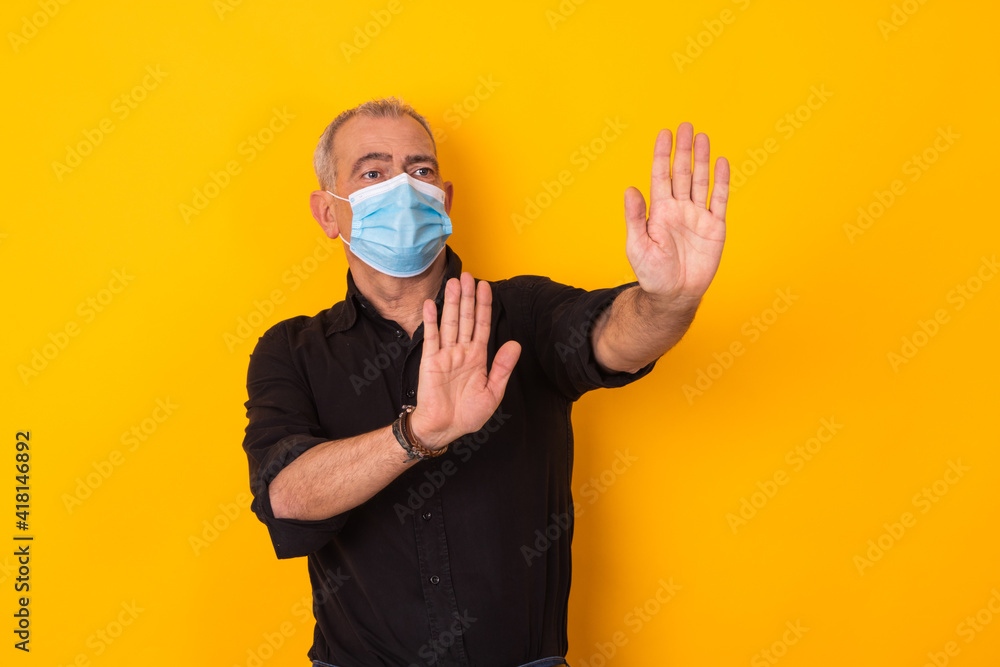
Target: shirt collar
x,y
348,315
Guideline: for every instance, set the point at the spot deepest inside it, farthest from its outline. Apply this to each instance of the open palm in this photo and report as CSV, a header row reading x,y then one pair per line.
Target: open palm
x,y
675,252
455,394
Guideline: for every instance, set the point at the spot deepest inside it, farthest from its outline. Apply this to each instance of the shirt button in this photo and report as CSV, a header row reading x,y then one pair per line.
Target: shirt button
x,y
426,515
435,580
410,393
399,334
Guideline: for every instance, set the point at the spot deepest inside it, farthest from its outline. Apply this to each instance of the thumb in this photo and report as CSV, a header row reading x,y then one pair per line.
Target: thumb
x,y
503,366
635,213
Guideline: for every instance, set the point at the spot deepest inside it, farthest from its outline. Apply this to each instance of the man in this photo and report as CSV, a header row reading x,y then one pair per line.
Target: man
x,y
422,525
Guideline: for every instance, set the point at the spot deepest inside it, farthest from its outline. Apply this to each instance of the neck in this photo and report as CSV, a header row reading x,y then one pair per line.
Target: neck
x,y
399,299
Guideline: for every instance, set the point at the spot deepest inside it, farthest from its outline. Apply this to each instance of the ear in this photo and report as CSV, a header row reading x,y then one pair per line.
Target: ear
x,y
449,191
321,203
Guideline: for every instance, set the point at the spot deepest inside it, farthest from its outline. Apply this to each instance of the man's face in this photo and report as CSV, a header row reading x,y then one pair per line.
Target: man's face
x,y
373,150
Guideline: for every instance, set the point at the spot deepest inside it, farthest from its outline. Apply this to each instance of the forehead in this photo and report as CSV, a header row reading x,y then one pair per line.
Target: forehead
x,y
399,137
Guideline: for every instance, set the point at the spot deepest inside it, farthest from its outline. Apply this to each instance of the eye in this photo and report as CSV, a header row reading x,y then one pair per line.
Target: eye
x,y
372,173
427,171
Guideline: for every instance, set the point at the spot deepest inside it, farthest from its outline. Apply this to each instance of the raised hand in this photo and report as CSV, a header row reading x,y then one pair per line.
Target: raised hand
x,y
455,394
675,252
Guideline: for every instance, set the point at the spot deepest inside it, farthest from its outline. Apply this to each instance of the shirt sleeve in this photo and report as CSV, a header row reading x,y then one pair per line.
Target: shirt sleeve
x,y
562,319
282,424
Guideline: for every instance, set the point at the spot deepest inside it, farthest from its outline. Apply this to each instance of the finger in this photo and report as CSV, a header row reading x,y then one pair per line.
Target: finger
x,y
681,174
484,309
660,183
503,366
635,214
699,180
467,308
431,341
449,313
720,191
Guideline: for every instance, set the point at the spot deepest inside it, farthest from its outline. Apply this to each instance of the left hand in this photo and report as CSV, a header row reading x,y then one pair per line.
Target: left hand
x,y
675,252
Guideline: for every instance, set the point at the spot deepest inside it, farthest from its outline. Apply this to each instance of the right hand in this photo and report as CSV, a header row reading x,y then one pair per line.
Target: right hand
x,y
455,395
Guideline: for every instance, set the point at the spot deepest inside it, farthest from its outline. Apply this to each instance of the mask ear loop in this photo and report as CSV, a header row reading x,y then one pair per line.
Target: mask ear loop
x,y
345,241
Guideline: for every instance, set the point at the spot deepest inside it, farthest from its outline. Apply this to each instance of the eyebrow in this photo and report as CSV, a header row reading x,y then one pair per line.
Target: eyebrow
x,y
386,157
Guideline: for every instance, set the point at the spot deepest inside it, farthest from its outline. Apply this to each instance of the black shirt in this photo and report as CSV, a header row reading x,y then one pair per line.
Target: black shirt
x,y
463,559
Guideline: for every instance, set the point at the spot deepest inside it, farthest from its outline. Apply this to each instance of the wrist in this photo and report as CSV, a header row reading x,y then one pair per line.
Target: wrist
x,y
655,305
427,436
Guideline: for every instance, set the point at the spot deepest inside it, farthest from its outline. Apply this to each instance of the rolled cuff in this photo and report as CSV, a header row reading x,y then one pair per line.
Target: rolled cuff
x,y
291,538
580,347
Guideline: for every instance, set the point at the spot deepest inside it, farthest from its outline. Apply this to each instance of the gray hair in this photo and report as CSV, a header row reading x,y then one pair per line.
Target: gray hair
x,y
392,107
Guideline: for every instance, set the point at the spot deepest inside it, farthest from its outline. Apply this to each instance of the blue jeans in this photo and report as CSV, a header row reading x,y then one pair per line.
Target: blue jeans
x,y
544,662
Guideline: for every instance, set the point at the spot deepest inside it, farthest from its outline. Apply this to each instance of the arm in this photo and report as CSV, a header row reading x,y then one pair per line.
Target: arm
x,y
675,254
455,396
638,329
337,475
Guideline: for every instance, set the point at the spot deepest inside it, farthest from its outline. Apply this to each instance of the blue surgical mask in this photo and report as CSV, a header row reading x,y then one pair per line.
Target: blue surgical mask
x,y
399,226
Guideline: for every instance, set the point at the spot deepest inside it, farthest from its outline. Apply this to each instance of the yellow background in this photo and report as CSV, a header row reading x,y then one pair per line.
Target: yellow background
x,y
557,74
